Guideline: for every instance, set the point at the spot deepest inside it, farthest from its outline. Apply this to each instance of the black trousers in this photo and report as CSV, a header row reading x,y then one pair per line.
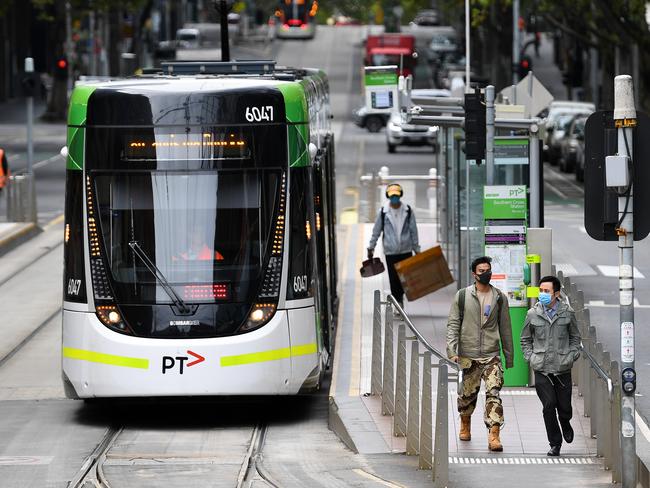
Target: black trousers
x,y
554,391
395,285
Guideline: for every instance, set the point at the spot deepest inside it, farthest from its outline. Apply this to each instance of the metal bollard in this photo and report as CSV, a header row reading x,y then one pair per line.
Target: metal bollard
x,y
399,419
375,372
587,368
388,386
426,427
413,425
441,443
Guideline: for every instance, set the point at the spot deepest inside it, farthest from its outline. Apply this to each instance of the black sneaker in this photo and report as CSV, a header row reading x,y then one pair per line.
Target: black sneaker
x,y
567,432
555,451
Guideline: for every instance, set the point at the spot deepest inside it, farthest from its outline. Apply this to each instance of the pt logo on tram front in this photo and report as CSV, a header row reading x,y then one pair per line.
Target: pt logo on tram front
x,y
178,362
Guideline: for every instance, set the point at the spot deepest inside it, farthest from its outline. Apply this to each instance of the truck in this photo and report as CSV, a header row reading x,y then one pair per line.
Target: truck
x,y
397,49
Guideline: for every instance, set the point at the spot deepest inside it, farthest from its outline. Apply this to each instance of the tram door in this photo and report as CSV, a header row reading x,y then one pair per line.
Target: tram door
x,y
322,270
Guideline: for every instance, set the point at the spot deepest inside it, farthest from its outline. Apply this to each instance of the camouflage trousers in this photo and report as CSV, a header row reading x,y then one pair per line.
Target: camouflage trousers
x,y
491,372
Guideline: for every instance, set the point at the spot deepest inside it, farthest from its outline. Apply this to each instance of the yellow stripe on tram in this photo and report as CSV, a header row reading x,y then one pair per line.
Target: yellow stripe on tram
x,y
99,357
272,355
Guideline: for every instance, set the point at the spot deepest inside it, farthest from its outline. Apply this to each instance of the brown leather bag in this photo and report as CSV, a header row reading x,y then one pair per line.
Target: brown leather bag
x,y
371,267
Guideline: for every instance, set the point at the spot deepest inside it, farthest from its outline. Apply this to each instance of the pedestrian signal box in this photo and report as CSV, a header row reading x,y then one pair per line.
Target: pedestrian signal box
x,y
601,202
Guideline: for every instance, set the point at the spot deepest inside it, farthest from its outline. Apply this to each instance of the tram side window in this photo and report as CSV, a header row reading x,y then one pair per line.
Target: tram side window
x,y
301,231
74,286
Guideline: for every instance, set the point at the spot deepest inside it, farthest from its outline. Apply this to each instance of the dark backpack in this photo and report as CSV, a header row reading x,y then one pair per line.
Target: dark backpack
x,y
461,303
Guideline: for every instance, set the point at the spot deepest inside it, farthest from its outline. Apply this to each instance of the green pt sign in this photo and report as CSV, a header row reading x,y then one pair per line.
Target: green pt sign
x,y
504,202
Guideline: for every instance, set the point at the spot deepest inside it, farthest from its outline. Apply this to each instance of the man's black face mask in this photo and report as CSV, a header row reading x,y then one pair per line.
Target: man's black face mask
x,y
485,277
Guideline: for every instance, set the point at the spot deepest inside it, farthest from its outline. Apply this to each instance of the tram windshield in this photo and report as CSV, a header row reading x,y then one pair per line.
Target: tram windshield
x,y
207,231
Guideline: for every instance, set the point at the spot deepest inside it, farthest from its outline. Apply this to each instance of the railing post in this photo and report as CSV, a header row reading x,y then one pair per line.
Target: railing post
x,y
413,425
587,368
399,419
441,443
375,378
593,399
426,427
607,412
615,406
387,396
600,413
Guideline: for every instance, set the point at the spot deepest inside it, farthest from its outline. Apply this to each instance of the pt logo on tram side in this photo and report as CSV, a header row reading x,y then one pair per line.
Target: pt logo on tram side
x,y
170,362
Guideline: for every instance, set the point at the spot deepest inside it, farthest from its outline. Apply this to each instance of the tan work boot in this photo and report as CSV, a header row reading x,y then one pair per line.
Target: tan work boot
x,y
465,428
494,443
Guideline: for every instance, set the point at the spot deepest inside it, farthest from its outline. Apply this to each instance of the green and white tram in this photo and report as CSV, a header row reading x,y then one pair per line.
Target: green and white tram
x,y
200,252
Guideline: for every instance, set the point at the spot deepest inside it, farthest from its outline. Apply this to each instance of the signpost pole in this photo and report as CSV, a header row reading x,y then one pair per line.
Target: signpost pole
x,y
489,133
625,120
535,183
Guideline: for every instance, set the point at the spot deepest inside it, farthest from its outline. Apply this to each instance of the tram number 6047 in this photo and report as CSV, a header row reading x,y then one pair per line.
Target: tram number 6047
x,y
259,114
299,283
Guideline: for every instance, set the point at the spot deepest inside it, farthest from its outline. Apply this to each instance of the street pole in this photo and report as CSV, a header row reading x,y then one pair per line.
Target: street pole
x,y
489,133
535,180
625,121
515,41
68,45
222,7
467,49
31,186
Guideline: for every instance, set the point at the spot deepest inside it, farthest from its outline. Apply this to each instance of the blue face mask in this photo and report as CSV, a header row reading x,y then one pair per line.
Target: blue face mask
x,y
394,199
544,298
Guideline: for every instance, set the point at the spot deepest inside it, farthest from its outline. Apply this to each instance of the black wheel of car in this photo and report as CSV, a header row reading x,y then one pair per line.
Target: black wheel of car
x,y
391,148
374,124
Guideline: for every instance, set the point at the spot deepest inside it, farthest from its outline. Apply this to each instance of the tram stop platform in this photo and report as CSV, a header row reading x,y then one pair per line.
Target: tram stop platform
x,y
355,414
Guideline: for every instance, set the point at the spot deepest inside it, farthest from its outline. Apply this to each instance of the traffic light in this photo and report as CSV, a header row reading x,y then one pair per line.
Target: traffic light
x,y
475,126
61,68
29,83
525,65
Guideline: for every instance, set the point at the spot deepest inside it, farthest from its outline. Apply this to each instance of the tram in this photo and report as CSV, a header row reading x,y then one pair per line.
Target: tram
x,y
199,248
296,19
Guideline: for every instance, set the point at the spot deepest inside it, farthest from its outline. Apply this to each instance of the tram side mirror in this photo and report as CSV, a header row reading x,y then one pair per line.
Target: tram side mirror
x,y
313,150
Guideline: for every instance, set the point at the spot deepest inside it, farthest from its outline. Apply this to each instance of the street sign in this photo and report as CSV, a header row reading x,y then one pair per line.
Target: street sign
x,y
381,88
511,150
601,202
529,92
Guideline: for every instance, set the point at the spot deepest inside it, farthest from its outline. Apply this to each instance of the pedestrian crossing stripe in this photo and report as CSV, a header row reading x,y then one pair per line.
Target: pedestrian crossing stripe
x,y
521,460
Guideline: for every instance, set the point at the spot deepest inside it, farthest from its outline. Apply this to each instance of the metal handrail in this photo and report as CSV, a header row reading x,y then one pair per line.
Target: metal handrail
x,y
599,370
427,346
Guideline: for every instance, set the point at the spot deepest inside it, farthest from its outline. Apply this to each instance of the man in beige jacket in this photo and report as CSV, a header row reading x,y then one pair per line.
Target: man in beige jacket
x,y
479,320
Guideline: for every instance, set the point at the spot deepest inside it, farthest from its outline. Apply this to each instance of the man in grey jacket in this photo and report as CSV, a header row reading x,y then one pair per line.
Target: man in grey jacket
x,y
397,222
479,320
550,342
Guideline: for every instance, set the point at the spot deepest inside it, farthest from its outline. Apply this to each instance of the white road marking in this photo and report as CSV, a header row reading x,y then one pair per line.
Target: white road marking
x,y
521,460
376,479
612,271
567,269
601,303
25,460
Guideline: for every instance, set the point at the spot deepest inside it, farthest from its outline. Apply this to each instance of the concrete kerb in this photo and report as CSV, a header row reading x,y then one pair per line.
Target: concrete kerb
x,y
15,234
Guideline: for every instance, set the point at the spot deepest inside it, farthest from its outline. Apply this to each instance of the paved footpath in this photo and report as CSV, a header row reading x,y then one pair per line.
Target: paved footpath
x,y
357,415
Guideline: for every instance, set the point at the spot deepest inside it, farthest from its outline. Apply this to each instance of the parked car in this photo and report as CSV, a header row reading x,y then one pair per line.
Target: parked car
x,y
556,110
573,145
427,17
400,133
372,122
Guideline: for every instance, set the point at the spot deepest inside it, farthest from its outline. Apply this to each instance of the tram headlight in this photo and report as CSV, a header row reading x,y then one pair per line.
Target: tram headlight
x,y
111,317
260,314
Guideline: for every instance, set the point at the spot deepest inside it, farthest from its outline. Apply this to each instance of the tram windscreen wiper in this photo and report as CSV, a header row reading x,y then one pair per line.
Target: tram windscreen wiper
x,y
182,306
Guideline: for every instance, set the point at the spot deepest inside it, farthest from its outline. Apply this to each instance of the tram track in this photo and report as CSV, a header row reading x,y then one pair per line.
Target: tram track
x,y
252,472
91,473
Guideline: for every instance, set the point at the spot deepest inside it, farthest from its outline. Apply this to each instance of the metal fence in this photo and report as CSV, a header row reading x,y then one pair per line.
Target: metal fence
x,y
597,377
411,406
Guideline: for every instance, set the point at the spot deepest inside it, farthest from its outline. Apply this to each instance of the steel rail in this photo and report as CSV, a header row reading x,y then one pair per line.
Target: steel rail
x,y
424,342
91,470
